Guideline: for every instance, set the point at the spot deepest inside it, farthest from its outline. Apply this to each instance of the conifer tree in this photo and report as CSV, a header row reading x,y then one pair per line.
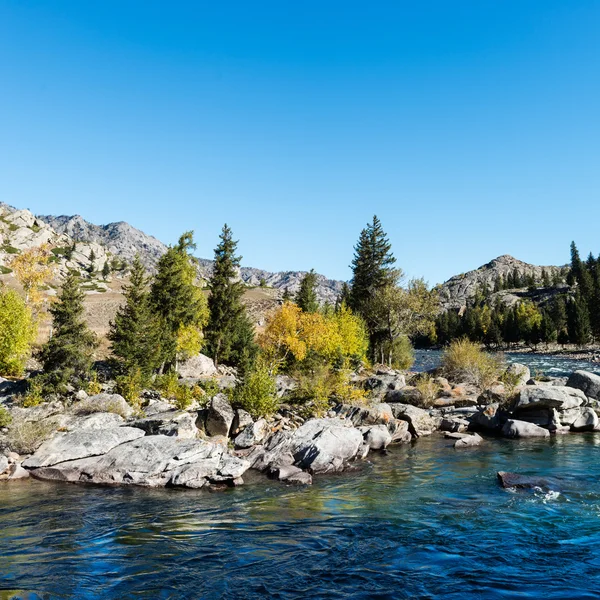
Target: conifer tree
x,y
67,356
306,298
230,334
105,270
287,297
545,279
134,333
343,298
174,298
578,321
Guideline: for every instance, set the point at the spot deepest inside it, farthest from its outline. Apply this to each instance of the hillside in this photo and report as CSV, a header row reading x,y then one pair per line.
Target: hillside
x,y
124,241
456,292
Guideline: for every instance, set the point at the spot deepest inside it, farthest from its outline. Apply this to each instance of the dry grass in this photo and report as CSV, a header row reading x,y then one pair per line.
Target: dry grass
x,y
466,362
25,437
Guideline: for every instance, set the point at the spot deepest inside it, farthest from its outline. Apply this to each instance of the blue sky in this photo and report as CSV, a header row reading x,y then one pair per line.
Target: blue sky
x,y
470,128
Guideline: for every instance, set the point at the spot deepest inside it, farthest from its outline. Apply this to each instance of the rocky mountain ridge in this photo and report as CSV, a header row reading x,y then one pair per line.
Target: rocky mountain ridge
x,y
458,290
125,241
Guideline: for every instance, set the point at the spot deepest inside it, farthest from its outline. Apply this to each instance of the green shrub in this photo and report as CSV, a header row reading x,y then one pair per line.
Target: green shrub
x,y
402,353
257,393
34,394
130,386
466,362
167,384
184,396
5,418
10,249
13,227
427,388
4,270
210,386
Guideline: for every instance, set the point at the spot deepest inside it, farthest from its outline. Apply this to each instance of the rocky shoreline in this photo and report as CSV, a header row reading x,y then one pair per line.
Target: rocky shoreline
x,y
214,447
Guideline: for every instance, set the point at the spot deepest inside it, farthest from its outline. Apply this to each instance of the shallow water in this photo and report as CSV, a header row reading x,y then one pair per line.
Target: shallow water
x,y
426,521
538,363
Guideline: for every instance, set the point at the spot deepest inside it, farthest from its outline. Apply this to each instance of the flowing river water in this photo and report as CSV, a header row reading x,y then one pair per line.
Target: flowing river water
x,y
425,521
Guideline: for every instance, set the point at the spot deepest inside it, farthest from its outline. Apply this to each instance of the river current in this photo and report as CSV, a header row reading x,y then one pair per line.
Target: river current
x,y
425,521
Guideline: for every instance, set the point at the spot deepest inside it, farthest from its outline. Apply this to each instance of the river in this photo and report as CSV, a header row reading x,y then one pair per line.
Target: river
x,y
425,521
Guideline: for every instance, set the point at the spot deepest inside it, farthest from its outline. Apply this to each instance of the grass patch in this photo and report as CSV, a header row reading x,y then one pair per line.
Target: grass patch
x,y
25,437
4,270
10,249
466,362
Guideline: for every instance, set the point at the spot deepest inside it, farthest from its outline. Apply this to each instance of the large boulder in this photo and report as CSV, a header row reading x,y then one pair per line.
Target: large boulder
x,y
534,397
285,385
176,423
325,445
521,429
383,382
399,431
588,383
197,367
220,416
80,444
587,420
95,421
468,441
153,461
274,453
420,423
405,395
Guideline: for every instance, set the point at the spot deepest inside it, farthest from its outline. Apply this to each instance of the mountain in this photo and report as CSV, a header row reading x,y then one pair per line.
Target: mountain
x,y
455,292
124,241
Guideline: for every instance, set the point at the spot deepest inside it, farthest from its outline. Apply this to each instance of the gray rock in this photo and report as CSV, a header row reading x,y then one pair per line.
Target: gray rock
x,y
176,423
406,395
588,383
361,415
274,453
16,471
399,431
454,424
80,444
230,468
105,403
521,429
538,396
284,385
384,382
220,416
376,436
515,480
197,367
241,420
521,373
302,478
95,421
325,445
284,471
468,441
420,423
155,407
253,434
3,464
586,421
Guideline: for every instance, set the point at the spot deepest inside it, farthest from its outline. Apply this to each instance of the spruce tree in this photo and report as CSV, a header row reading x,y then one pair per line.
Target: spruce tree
x,y
287,297
545,279
105,270
134,333
175,299
67,355
578,321
343,298
230,334
306,297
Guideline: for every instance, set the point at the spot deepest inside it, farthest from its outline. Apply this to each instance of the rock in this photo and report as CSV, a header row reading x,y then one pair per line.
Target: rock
x,y
3,464
95,421
521,429
538,396
361,415
325,445
454,424
515,480
156,406
586,421
384,382
275,452
419,421
302,478
153,461
38,413
377,436
114,403
241,420
81,395
494,395
220,416
253,434
197,367
284,385
176,423
468,441
487,418
16,471
455,435
284,471
588,383
399,431
406,395
519,372
80,444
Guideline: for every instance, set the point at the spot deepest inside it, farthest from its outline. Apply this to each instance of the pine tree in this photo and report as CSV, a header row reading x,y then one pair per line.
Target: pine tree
x,y
548,332
134,333
306,298
343,298
67,356
287,297
545,279
229,333
595,304
105,270
578,321
174,298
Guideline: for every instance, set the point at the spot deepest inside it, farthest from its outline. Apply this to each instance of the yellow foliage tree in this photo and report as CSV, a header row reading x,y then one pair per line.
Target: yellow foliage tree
x,y
17,332
33,269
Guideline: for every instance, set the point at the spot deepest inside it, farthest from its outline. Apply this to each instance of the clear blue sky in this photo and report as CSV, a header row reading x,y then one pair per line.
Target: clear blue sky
x,y
471,128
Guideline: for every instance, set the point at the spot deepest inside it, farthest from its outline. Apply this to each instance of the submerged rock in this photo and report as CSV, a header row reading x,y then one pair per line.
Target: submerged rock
x,y
468,441
515,480
522,429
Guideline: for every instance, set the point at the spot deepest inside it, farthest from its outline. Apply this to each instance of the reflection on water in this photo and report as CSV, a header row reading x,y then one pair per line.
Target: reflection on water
x,y
538,363
425,521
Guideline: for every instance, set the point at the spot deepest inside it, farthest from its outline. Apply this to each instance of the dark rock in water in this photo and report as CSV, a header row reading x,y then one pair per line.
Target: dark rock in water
x,y
515,480
588,383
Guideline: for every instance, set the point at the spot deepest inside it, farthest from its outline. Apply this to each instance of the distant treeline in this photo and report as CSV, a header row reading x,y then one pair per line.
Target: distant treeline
x,y
571,315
